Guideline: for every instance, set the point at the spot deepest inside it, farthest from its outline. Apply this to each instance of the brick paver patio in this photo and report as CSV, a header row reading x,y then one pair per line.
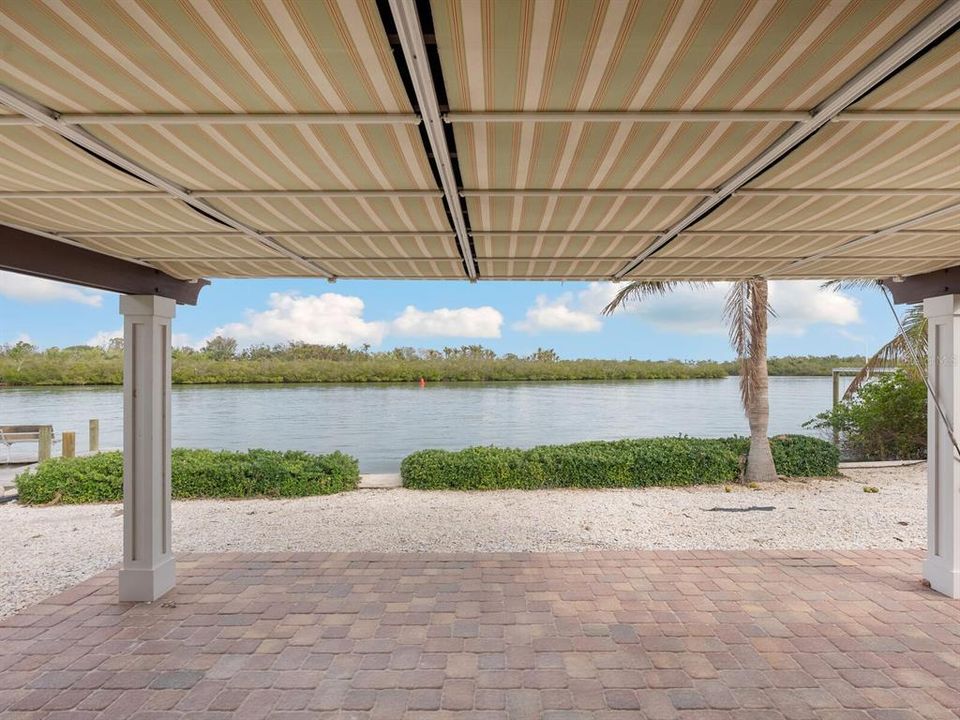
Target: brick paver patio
x,y
766,635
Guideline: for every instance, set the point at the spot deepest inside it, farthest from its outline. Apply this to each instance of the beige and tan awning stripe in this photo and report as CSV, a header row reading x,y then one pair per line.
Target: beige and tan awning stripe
x,y
568,55
871,154
726,269
159,247
569,214
208,246
556,245
687,56
543,269
682,68
357,214
845,267
433,268
213,58
786,246
833,212
950,224
260,157
99,214
372,246
908,244
136,56
35,159
929,83
608,155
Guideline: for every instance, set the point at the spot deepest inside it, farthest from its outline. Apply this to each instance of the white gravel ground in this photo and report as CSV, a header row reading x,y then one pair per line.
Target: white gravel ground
x,y
47,549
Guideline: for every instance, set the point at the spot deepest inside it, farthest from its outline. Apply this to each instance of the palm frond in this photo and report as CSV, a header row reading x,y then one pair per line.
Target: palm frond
x,y
747,311
639,290
851,284
896,353
736,313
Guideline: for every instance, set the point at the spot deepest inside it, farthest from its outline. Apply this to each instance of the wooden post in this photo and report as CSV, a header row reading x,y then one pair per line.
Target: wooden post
x,y
69,448
46,444
94,436
836,401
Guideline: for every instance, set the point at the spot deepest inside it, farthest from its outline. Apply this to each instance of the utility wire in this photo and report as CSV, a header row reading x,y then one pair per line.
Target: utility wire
x,y
923,372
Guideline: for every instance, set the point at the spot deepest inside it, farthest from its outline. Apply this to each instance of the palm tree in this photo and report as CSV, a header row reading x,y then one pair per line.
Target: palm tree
x,y
896,352
746,312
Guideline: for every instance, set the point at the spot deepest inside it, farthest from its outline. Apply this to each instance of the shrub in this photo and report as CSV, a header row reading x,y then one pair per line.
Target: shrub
x,y
194,474
885,420
619,463
797,455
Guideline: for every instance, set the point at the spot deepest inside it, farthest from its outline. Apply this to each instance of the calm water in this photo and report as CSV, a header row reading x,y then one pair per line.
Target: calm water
x,y
380,424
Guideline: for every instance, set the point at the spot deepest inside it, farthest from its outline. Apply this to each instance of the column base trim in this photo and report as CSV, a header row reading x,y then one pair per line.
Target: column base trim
x,y
942,578
147,584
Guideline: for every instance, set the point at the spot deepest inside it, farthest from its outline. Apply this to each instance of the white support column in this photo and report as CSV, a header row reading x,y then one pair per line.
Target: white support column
x,y
942,566
148,565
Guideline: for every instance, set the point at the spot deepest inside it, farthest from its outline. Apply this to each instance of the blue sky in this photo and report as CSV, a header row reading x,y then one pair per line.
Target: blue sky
x,y
506,316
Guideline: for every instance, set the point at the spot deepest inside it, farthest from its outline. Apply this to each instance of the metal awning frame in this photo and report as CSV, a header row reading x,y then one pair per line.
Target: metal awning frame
x,y
478,193
407,20
710,116
486,117
160,119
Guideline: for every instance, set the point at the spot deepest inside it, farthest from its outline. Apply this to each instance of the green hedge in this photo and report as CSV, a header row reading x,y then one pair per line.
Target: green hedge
x,y
796,455
195,474
620,463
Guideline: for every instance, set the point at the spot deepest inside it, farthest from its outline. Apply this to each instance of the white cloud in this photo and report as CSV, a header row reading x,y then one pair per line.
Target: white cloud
x,y
330,319
479,322
26,288
853,337
596,296
103,338
21,338
184,340
326,319
802,303
799,304
558,315
685,310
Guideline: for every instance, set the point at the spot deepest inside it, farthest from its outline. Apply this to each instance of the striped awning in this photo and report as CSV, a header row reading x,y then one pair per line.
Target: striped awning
x,y
490,139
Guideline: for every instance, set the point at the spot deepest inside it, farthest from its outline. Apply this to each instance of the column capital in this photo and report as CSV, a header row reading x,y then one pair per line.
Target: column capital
x,y
148,306
942,305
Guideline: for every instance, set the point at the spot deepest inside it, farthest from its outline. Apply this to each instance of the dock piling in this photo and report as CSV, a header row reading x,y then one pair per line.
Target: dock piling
x,y
45,444
69,447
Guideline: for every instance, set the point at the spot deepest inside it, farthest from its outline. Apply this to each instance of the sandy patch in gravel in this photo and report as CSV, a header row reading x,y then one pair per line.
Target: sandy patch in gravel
x,y
47,549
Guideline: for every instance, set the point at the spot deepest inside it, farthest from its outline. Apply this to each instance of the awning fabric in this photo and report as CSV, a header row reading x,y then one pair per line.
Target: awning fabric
x,y
295,118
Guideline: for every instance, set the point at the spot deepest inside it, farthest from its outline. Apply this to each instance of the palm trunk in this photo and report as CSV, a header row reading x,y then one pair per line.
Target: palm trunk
x,y
760,466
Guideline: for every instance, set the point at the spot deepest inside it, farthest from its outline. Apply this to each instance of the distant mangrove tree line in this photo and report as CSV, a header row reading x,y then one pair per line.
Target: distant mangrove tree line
x,y
222,361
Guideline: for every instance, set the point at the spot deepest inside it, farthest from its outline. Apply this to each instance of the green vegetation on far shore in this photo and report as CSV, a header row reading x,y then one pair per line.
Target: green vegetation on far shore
x,y
612,464
194,474
221,362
